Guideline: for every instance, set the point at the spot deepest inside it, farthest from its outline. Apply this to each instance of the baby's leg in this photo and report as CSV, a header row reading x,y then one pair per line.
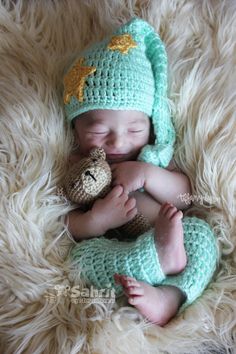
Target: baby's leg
x,y
139,259
161,303
169,239
157,304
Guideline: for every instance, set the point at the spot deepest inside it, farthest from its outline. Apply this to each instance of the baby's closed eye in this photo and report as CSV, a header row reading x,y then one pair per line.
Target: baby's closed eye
x,y
136,131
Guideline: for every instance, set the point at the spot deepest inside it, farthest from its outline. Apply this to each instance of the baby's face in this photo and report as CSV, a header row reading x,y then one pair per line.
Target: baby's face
x,y
122,134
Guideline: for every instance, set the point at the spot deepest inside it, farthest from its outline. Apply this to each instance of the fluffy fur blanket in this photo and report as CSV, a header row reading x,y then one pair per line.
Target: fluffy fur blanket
x,y
38,39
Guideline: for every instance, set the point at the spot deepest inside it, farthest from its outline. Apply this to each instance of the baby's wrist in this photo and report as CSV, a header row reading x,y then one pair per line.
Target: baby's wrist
x,y
83,225
96,221
72,222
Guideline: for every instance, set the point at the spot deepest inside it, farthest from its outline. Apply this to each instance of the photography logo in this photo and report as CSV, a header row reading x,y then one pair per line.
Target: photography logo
x,y
78,294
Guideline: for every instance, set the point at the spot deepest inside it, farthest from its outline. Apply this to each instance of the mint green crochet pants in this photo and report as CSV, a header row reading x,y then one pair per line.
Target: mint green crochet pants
x,y
99,258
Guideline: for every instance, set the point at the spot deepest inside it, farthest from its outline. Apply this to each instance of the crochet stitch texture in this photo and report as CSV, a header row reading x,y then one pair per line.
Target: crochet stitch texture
x,y
100,258
126,71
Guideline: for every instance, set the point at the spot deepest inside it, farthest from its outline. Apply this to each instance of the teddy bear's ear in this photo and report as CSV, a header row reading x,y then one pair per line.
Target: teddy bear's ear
x,y
98,153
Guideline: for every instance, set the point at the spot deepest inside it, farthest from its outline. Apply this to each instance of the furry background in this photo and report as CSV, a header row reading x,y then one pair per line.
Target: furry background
x,y
38,40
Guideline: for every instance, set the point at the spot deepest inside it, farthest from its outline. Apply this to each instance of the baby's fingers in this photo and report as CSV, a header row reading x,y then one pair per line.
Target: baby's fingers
x,y
130,204
117,191
131,213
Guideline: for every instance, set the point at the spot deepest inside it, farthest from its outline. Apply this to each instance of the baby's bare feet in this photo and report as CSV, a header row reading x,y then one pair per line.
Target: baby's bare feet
x,y
157,304
169,239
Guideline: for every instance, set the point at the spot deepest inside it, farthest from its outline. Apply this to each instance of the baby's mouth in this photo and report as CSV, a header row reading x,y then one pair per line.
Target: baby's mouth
x,y
117,157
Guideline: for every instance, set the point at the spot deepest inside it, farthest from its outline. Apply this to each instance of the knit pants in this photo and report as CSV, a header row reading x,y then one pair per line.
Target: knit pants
x,y
99,258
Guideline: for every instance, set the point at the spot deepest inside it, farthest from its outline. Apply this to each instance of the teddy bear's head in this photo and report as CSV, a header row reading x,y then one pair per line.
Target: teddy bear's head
x,y
88,179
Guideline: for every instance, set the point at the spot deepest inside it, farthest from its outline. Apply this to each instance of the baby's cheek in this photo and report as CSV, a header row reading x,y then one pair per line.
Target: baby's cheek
x,y
92,142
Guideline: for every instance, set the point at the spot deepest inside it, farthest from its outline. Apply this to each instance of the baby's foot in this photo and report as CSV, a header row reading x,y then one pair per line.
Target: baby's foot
x,y
157,304
169,239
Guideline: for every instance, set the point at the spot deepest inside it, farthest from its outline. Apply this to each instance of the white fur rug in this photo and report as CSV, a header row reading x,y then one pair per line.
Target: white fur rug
x,y
38,39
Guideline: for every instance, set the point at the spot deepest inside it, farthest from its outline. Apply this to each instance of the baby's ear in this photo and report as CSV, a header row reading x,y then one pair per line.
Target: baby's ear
x,y
98,153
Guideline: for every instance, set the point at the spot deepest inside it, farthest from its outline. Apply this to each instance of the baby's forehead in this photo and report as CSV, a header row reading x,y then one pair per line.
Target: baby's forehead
x,y
127,116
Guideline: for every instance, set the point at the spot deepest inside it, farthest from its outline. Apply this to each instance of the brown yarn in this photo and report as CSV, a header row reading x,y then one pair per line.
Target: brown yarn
x,y
89,179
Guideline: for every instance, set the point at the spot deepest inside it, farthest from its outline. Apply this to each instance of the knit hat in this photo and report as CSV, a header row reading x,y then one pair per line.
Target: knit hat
x,y
126,71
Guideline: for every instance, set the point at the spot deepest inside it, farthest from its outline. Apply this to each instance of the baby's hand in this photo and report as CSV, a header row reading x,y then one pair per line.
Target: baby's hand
x,y
129,174
114,210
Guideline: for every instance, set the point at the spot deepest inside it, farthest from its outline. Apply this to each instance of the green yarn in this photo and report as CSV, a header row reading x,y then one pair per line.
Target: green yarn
x,y
202,254
100,258
132,80
135,78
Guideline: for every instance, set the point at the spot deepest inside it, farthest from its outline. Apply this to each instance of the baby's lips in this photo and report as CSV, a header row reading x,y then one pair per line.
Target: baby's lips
x,y
116,158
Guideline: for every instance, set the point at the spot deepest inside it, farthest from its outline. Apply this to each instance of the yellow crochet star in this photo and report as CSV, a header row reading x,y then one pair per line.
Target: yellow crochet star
x,y
74,81
123,43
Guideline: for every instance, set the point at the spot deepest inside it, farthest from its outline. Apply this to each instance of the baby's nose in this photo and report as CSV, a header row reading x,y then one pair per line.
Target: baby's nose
x,y
116,140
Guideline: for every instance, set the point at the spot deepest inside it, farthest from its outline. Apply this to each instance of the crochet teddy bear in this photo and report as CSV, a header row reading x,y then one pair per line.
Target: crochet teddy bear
x,y
89,179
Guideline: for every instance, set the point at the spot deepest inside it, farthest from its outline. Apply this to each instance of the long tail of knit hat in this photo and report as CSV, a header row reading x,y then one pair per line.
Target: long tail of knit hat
x,y
99,258
126,71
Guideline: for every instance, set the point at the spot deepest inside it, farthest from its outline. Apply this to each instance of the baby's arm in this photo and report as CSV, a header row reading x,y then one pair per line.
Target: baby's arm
x,y
108,213
163,185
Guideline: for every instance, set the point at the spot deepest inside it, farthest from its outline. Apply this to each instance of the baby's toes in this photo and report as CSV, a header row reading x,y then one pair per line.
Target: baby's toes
x,y
177,216
135,300
170,212
131,282
164,208
126,281
134,290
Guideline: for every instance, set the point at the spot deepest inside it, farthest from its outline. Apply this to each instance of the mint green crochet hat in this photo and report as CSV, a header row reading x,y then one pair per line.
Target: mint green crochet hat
x,y
126,71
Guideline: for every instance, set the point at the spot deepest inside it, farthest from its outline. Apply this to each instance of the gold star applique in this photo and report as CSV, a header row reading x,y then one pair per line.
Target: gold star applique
x,y
123,43
74,81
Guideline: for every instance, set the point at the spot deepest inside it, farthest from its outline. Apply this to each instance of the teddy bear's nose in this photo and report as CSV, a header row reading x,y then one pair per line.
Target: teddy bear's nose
x,y
88,173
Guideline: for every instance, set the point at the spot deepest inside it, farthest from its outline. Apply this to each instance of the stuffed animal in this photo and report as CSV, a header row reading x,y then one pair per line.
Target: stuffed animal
x,y
89,179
